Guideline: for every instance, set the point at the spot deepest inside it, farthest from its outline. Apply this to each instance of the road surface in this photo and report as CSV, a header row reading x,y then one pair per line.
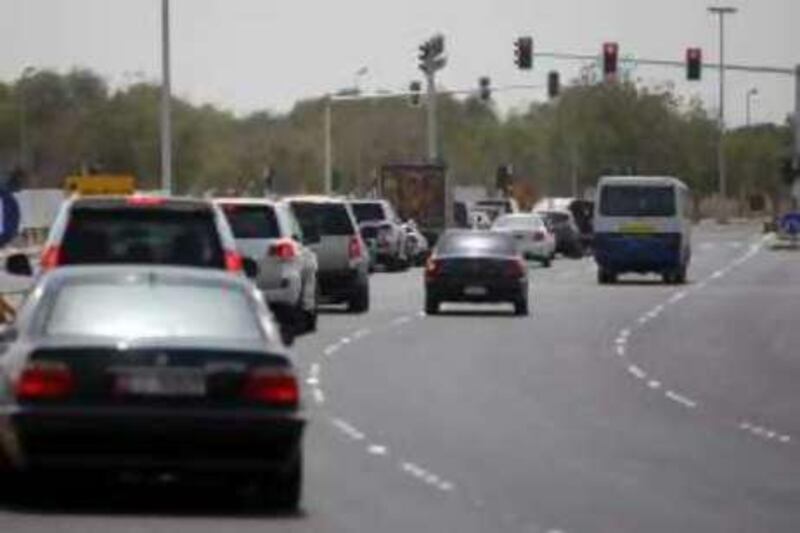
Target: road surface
x,y
629,407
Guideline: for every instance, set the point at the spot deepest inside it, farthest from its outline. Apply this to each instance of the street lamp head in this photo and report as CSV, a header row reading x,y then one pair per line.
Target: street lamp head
x,y
722,10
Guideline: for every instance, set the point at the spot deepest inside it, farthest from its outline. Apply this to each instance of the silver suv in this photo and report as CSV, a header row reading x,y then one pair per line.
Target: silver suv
x,y
342,257
267,232
380,224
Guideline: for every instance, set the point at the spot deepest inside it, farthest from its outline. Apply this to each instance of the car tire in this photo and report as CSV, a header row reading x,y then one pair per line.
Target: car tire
x,y
359,300
521,306
546,262
431,305
605,277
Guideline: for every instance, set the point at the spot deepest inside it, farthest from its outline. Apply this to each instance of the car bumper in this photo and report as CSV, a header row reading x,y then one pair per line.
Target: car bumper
x,y
639,253
285,289
536,250
340,284
464,291
151,439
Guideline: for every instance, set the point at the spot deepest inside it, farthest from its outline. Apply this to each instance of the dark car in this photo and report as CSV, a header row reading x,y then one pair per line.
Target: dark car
x,y
149,371
138,230
568,237
476,266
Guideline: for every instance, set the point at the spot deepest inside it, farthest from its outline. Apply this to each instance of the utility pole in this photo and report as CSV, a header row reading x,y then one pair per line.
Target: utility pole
x,y
796,124
166,97
721,12
431,60
328,155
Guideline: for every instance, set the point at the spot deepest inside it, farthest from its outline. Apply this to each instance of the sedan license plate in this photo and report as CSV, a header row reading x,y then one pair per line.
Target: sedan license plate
x,y
475,290
162,382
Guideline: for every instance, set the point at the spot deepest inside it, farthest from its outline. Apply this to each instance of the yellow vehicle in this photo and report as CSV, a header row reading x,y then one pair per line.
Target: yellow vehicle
x,y
100,184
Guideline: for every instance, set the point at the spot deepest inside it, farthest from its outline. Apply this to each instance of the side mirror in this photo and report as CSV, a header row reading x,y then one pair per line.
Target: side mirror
x,y
19,265
250,267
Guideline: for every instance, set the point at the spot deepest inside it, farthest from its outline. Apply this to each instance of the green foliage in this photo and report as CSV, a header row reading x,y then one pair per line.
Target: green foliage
x,y
73,120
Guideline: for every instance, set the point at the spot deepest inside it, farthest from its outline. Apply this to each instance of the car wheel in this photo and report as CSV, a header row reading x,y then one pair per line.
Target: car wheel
x,y
359,300
606,276
431,305
546,262
521,306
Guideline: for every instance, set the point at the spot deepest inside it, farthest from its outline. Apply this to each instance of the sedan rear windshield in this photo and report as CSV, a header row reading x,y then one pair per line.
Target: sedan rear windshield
x,y
476,244
368,212
252,221
148,310
329,219
518,222
142,236
637,201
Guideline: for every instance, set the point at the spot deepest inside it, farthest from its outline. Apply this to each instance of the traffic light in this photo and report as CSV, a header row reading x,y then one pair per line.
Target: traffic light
x,y
610,56
503,177
430,54
694,63
484,88
414,88
553,84
523,53
790,170
424,55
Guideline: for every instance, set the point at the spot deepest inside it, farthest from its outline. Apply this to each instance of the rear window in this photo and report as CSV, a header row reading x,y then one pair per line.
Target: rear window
x,y
252,221
476,243
368,212
556,218
637,201
330,219
142,236
146,310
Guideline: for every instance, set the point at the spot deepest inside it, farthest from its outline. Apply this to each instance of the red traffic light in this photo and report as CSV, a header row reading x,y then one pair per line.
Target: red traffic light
x,y
694,63
610,55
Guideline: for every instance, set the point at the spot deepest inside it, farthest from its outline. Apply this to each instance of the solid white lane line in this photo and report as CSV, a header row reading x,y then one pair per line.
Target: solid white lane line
x,y
636,371
377,449
653,384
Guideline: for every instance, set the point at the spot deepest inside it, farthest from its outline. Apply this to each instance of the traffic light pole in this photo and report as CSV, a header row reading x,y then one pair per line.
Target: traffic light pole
x,y
796,124
166,92
433,141
723,182
328,147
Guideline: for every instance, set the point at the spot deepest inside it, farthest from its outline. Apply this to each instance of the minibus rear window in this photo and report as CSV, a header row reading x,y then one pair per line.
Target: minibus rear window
x,y
637,201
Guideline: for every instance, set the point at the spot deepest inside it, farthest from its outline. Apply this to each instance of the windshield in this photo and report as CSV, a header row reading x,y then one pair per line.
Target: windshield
x,y
146,310
518,222
483,243
368,212
637,201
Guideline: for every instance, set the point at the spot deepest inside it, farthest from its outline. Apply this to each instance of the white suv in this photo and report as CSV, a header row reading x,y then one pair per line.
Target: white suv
x,y
267,232
341,254
380,224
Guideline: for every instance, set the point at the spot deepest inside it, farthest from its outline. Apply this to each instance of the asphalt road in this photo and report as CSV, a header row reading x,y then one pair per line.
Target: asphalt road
x,y
632,407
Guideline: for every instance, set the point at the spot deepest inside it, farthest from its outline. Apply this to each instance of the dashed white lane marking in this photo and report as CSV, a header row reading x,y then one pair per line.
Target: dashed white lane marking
x,y
764,433
344,340
717,274
636,371
677,297
653,384
401,320
425,476
319,396
377,449
681,399
347,429
361,333
621,350
330,350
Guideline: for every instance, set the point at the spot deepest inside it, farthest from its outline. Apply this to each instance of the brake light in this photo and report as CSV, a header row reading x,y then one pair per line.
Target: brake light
x,y
273,386
354,248
516,268
51,257
45,380
283,250
233,262
432,268
145,200
538,236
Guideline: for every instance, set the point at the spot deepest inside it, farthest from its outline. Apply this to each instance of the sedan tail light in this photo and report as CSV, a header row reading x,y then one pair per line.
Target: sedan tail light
x,y
432,268
51,257
233,262
285,250
354,248
272,386
45,380
516,268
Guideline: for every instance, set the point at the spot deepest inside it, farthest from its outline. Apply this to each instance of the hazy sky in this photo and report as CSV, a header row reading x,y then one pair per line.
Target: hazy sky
x,y
254,54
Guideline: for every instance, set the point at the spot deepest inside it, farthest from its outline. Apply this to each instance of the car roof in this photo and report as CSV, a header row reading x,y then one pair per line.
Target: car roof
x,y
320,199
368,201
175,203
247,201
640,180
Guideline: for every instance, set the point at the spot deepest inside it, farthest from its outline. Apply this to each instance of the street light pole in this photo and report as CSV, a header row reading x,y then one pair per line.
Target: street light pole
x,y
750,94
328,148
166,97
721,12
22,105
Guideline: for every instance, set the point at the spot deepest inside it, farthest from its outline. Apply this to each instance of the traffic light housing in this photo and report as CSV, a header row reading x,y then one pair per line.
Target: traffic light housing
x,y
523,53
610,58
485,88
414,88
694,64
430,54
503,177
553,84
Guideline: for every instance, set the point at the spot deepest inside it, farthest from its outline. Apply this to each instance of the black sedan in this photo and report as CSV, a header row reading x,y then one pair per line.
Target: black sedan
x,y
149,372
476,266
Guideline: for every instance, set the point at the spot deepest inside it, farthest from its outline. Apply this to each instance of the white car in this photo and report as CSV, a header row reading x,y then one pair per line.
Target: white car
x,y
378,221
267,232
534,240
